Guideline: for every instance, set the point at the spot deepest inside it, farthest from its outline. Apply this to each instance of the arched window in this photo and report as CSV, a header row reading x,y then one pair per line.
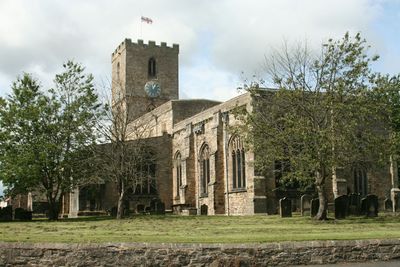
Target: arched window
x,y
360,181
178,172
204,169
145,175
237,164
152,71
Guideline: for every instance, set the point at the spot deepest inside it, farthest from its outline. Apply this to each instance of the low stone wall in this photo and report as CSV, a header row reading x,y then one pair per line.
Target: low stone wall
x,y
145,254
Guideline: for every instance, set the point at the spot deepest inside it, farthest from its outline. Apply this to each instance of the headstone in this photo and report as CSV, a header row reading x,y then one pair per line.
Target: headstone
x,y
314,207
363,206
113,212
396,201
203,209
305,204
354,204
6,213
369,206
285,207
388,205
140,208
341,207
157,206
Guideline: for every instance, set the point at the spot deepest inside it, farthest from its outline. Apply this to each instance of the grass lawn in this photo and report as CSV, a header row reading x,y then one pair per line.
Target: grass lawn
x,y
199,229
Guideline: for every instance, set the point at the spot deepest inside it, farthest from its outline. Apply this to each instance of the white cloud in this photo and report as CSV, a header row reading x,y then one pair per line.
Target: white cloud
x,y
37,36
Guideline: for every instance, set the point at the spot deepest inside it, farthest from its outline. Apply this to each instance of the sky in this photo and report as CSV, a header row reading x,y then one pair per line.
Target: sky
x,y
221,42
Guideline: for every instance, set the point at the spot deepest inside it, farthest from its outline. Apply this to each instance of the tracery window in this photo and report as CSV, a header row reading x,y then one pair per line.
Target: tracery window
x,y
204,169
152,71
238,163
360,181
145,181
178,170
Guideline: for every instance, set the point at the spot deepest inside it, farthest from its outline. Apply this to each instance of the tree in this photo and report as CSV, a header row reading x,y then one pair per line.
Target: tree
x,y
386,95
46,137
320,116
124,158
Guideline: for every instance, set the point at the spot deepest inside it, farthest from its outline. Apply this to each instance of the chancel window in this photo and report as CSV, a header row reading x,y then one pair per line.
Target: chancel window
x,y
178,172
238,163
145,177
152,71
204,169
360,181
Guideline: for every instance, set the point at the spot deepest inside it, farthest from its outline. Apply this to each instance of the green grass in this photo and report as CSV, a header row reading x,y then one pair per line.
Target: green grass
x,y
199,229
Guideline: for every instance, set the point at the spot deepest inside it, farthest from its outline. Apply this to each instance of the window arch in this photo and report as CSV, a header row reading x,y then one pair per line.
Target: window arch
x,y
204,169
178,172
238,163
145,175
360,181
152,70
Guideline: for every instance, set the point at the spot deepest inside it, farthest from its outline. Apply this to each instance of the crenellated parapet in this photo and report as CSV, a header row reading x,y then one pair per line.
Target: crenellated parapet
x,y
127,43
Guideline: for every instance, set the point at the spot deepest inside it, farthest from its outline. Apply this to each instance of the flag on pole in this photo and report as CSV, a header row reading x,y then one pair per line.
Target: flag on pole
x,y
147,20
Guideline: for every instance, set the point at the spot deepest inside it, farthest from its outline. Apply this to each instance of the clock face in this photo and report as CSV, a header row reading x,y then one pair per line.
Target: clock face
x,y
152,89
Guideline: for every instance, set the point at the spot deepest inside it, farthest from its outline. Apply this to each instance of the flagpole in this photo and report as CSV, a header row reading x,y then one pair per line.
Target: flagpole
x,y
141,23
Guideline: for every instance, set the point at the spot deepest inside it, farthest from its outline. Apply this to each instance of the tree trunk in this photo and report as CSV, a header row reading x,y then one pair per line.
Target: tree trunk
x,y
120,207
54,209
323,202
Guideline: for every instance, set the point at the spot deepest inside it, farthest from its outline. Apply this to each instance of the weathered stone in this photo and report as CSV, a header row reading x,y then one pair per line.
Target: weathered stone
x,y
130,254
305,204
341,207
354,204
396,201
157,206
285,207
204,209
314,207
388,204
369,206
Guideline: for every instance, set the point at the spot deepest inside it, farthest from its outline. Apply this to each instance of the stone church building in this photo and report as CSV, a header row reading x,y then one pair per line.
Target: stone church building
x,y
201,167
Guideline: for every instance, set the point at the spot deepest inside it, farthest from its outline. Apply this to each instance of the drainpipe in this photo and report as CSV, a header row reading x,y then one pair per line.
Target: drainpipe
x,y
225,117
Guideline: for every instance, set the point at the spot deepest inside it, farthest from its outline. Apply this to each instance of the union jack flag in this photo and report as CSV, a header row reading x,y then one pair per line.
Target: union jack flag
x,y
147,20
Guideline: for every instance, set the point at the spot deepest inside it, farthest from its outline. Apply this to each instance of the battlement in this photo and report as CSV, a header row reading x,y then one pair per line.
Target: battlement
x,y
140,44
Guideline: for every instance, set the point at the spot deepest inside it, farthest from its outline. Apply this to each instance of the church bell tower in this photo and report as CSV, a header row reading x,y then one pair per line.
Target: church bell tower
x,y
144,76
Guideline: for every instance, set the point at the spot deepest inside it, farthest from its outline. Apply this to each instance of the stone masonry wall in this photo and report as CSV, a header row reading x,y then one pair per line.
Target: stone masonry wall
x,y
144,254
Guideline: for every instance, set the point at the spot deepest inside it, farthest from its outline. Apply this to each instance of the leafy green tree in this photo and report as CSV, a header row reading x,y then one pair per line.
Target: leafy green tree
x,y
320,117
386,96
46,137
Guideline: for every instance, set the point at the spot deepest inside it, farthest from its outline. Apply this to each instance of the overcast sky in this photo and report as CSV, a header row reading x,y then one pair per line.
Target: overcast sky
x,y
218,39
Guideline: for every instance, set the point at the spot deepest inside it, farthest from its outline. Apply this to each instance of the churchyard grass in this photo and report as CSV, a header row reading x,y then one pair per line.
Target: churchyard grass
x,y
199,229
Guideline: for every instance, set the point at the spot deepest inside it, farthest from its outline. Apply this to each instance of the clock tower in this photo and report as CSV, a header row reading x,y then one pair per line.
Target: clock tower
x,y
144,76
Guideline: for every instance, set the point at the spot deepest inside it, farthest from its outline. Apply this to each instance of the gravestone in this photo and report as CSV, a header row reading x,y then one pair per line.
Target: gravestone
x,y
341,206
314,207
388,205
285,207
203,209
6,213
140,208
354,204
157,206
305,204
396,201
369,206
